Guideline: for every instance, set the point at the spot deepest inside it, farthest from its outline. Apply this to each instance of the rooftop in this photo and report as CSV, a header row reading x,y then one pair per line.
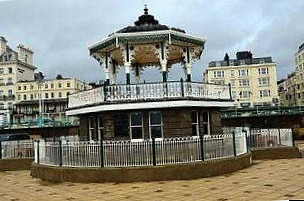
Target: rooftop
x,y
147,22
301,47
242,58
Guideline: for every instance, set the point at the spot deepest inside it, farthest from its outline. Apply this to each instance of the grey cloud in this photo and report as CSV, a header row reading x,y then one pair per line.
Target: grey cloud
x,y
59,31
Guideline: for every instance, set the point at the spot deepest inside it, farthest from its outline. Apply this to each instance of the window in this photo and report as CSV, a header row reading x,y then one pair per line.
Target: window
x,y
19,88
10,92
100,128
244,94
59,85
233,94
32,87
194,122
24,96
232,82
121,126
243,72
68,84
24,87
136,125
263,71
92,130
10,70
46,95
59,94
264,81
52,95
10,81
232,73
218,74
32,96
205,120
26,58
264,93
242,62
155,124
243,83
1,71
221,82
52,86
46,86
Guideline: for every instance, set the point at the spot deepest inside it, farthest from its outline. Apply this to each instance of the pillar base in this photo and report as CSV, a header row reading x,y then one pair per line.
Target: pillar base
x,y
128,78
165,75
188,77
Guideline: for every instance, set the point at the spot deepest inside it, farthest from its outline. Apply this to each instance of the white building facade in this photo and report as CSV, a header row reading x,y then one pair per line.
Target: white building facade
x,y
14,66
253,80
292,89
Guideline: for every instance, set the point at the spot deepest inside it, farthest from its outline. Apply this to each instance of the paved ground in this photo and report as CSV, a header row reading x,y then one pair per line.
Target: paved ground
x,y
265,180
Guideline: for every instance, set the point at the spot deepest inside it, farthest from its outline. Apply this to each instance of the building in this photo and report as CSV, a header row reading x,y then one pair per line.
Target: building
x,y
148,110
14,66
292,89
253,80
46,98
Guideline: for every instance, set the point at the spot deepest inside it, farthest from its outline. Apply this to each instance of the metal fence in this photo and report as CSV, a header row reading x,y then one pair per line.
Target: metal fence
x,y
270,138
257,138
17,149
140,153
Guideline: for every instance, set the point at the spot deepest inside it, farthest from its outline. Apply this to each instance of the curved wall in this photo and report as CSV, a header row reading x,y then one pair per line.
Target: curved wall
x,y
144,174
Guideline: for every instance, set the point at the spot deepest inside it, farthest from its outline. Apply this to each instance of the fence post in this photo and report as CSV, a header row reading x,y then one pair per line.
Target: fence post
x,y
60,153
279,130
246,140
101,153
292,137
0,149
202,147
234,146
153,151
182,87
38,150
105,93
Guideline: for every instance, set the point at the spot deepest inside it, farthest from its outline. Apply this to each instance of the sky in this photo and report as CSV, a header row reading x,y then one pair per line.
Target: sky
x,y
60,31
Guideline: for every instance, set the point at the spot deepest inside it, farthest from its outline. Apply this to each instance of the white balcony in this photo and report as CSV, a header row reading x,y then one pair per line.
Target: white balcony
x,y
152,92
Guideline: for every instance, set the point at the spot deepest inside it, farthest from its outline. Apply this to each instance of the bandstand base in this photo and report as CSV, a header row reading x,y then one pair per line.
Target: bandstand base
x,y
142,174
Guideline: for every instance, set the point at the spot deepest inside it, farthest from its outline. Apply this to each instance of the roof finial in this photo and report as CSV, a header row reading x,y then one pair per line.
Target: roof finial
x,y
146,9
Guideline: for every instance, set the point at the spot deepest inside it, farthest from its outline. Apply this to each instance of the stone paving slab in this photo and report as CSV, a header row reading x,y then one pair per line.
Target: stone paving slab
x,y
265,180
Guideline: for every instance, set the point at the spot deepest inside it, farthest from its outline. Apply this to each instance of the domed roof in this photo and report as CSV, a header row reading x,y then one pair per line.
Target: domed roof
x,y
147,22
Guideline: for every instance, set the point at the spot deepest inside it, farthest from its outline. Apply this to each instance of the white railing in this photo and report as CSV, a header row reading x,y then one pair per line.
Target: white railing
x,y
257,137
17,149
270,138
140,153
150,91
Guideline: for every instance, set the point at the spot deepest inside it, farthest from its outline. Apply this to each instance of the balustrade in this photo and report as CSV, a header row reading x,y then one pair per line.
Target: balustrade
x,y
150,91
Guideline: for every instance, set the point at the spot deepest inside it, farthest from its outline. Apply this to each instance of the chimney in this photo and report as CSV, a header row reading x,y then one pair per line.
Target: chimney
x,y
226,58
3,43
25,54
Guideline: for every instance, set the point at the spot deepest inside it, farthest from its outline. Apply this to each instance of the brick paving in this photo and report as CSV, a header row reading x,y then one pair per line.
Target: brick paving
x,y
265,180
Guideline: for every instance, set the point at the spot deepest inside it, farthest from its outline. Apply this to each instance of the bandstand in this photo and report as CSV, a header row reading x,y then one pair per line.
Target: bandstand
x,y
138,110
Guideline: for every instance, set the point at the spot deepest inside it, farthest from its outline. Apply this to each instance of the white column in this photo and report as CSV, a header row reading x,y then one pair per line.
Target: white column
x,y
128,69
164,68
189,71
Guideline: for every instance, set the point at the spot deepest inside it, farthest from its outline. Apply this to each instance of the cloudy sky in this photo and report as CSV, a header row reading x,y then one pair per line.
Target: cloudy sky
x,y
59,31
